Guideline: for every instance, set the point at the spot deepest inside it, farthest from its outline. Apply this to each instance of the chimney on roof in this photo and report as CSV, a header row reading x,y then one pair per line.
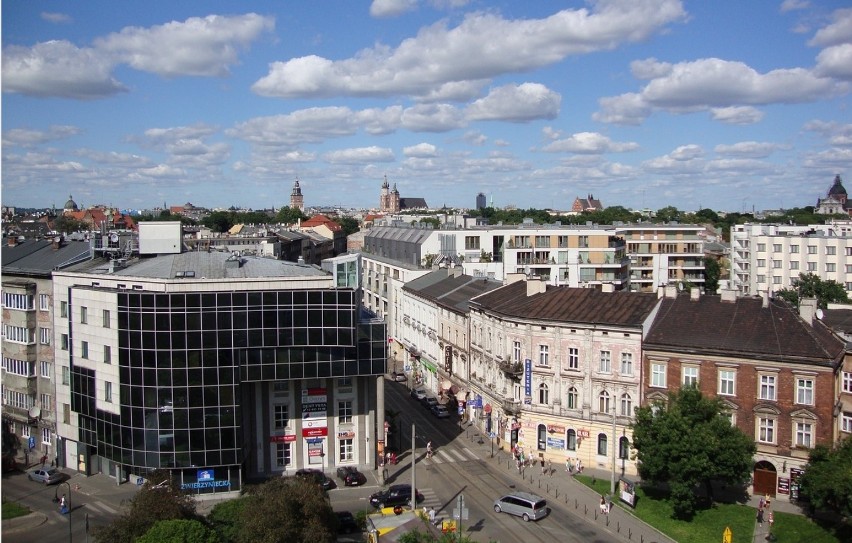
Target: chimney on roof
x,y
12,240
765,299
56,243
513,278
535,286
671,291
458,271
607,287
729,295
694,294
807,309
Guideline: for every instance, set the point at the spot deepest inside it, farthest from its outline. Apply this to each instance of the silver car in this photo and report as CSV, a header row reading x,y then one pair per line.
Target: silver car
x,y
47,476
523,504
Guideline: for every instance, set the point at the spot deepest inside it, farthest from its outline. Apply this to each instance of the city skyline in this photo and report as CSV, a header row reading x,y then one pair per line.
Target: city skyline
x,y
642,103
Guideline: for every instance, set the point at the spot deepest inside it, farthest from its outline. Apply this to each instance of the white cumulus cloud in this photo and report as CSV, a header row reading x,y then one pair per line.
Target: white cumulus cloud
x,y
591,143
516,103
360,155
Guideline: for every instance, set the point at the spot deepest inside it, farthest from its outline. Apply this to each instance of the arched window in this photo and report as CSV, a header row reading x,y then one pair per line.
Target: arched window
x,y
623,447
573,398
542,437
543,394
571,440
602,445
603,402
626,405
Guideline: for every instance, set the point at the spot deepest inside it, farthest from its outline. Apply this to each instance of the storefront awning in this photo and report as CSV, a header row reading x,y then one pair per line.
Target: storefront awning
x,y
429,365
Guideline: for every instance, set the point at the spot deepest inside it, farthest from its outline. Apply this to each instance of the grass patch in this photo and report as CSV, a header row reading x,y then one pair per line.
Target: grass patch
x,y
12,510
707,525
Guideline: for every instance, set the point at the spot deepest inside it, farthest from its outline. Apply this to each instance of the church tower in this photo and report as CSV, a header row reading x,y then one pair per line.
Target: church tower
x,y
296,199
394,200
384,197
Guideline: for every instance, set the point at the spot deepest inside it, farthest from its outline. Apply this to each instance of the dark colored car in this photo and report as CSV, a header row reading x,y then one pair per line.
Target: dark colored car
x,y
316,476
346,523
440,411
429,402
351,476
393,496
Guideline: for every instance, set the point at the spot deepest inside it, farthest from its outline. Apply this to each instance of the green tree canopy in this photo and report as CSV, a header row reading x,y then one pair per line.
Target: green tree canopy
x,y
827,481
349,224
712,272
179,531
290,215
809,285
69,225
687,442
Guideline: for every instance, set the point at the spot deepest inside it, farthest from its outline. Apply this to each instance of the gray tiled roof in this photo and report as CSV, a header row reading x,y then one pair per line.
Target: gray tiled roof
x,y
741,328
565,304
40,258
445,289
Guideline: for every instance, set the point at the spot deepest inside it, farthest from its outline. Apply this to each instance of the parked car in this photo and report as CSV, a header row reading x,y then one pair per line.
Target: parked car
x,y
429,402
393,496
316,476
523,504
418,393
346,523
399,377
351,476
47,476
440,411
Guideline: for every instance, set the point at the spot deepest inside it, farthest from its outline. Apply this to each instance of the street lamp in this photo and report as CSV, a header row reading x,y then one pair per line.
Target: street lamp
x,y
614,450
68,505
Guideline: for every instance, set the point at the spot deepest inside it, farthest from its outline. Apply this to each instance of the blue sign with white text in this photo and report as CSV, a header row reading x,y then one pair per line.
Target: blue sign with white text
x,y
527,377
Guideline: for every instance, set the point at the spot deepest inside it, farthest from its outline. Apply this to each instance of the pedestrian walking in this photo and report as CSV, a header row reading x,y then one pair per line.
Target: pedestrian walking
x,y
432,516
518,462
771,520
760,517
542,465
550,467
569,465
603,505
579,466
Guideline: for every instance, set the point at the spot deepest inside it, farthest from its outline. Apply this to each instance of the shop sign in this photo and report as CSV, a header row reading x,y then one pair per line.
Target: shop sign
x,y
315,423
528,379
347,434
783,485
314,432
282,439
555,443
315,451
583,433
555,428
314,415
319,406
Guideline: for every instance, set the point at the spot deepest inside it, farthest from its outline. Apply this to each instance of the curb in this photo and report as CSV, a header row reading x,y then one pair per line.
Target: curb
x,y
26,522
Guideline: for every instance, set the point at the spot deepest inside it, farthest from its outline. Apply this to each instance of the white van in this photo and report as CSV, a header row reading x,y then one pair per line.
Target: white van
x,y
523,504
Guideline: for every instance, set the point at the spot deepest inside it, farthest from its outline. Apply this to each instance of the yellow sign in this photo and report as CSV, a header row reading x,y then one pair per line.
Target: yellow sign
x,y
448,526
727,537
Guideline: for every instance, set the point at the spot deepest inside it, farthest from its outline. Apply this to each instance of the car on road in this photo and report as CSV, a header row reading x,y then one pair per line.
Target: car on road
x,y
47,476
393,496
440,411
399,377
316,476
346,523
429,402
351,476
418,393
523,504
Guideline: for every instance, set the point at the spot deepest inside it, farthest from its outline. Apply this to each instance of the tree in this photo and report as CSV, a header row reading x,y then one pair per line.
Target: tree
x,y
827,480
219,221
179,531
668,214
287,509
712,272
290,215
686,442
159,499
69,225
225,518
349,224
809,285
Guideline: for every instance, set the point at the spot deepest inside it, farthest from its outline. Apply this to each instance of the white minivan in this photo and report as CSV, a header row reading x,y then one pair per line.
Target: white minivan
x,y
523,504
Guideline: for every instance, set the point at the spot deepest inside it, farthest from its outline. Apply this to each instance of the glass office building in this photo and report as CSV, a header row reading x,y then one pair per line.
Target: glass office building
x,y
229,380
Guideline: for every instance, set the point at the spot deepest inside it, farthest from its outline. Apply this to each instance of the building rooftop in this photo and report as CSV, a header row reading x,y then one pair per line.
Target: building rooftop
x,y
41,257
450,288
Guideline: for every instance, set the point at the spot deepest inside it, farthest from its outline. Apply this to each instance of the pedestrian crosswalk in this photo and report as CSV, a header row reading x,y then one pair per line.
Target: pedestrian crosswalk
x,y
451,454
430,499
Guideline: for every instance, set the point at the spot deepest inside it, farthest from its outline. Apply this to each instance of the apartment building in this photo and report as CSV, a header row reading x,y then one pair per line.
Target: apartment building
x,y
662,254
242,367
839,319
557,369
29,394
768,257
774,369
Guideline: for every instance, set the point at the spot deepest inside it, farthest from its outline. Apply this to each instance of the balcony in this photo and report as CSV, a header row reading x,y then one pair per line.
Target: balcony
x,y
511,406
515,370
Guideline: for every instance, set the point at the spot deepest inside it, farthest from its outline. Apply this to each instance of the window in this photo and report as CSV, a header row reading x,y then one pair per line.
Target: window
x,y
626,363
107,354
761,278
543,355
66,375
63,310
17,334
794,249
776,264
106,316
623,447
63,342
84,349
846,422
17,301
606,362
812,266
767,387
776,279
18,367
603,449
282,455
84,314
66,413
847,381
44,336
603,402
761,247
573,398
571,440
831,250
45,436
45,369
804,434
766,430
626,405
344,411
805,391
516,352
281,414
347,450
830,267
727,382
812,249
573,358
658,375
46,401
776,247
848,269
471,242
543,394
761,262
690,376
107,391
794,265
44,302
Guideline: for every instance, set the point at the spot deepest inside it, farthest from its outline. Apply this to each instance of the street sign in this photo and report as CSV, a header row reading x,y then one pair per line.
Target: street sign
x,y
461,410
465,513
727,536
32,442
492,435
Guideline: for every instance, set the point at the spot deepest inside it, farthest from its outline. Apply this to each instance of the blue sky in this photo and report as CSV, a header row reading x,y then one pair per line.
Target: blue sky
x,y
728,105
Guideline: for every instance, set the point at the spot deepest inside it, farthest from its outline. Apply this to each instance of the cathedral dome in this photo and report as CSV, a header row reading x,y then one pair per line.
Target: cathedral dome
x,y
71,205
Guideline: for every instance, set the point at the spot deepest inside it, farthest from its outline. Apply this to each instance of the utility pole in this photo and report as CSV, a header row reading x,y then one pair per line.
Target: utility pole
x,y
614,449
413,469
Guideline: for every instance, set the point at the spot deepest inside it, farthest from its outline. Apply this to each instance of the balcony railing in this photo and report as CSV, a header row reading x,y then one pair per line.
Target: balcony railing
x,y
513,369
511,406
